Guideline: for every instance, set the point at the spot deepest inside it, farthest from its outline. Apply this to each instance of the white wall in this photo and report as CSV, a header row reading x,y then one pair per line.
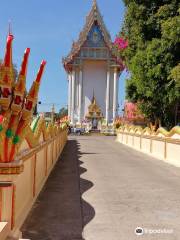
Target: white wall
x,y
94,78
94,74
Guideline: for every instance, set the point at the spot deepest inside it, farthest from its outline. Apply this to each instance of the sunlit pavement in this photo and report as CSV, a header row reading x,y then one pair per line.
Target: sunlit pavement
x,y
118,190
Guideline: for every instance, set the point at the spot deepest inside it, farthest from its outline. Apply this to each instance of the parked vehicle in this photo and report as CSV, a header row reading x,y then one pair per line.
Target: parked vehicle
x,y
78,131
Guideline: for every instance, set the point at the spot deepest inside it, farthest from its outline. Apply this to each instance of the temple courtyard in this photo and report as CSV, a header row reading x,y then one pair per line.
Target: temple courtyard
x,y
103,190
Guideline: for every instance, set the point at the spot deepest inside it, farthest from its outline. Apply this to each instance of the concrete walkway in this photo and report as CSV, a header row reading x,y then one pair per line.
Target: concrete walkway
x,y
102,190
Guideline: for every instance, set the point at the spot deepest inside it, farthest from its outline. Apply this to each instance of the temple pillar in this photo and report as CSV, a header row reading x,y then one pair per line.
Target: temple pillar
x,y
73,96
69,95
115,94
80,96
107,95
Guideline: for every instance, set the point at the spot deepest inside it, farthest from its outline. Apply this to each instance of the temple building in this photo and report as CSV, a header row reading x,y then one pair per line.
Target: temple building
x,y
93,74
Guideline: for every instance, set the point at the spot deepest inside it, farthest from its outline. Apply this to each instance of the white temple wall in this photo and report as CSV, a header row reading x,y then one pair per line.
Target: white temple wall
x,y
94,79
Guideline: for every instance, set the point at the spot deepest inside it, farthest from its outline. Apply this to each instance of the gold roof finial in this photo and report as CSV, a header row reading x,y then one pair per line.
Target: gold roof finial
x,y
94,3
93,98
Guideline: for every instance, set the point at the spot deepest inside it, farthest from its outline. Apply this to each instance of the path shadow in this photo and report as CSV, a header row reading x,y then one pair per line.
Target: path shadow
x,y
60,213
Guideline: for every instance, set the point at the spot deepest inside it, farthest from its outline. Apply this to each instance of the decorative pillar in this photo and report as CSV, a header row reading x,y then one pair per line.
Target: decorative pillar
x,y
69,95
80,96
52,114
107,95
73,96
115,94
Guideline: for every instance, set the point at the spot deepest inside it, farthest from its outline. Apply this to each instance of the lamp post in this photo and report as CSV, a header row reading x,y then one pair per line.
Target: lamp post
x,y
36,108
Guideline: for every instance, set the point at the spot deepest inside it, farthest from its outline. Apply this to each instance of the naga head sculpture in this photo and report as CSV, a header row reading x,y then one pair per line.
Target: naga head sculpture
x,y
31,98
16,104
20,86
6,76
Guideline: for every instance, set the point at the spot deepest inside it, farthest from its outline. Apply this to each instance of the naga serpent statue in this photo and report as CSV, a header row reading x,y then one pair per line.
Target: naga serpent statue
x,y
16,105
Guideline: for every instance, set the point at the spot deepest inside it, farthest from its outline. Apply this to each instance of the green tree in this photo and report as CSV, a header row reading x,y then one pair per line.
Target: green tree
x,y
63,112
152,57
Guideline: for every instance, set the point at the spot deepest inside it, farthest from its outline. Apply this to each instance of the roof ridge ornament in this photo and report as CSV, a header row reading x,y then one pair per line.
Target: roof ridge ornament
x,y
93,98
94,3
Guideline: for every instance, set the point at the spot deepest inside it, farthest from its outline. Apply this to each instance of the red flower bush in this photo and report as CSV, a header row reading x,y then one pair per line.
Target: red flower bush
x,y
121,43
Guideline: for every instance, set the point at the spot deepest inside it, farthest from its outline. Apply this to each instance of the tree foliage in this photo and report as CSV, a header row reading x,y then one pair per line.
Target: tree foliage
x,y
152,57
63,112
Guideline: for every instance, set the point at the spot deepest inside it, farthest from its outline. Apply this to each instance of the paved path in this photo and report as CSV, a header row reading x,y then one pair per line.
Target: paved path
x,y
121,189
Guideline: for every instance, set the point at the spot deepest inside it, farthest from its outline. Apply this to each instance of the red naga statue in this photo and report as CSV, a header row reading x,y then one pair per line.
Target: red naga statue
x,y
16,104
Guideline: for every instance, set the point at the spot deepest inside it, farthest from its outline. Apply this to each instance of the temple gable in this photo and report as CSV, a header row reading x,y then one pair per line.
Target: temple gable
x,y
95,38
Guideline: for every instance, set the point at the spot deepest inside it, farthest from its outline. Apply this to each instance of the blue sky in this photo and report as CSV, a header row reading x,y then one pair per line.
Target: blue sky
x,y
48,28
